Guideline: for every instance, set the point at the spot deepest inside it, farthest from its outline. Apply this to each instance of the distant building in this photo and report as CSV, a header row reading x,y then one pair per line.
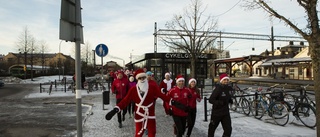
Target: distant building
x,y
38,63
288,62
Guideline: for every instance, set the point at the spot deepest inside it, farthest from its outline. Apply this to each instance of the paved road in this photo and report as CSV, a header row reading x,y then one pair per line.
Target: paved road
x,y
35,117
12,89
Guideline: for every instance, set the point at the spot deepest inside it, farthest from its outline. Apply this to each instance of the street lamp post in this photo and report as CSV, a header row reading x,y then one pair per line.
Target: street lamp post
x,y
31,63
94,60
25,64
59,58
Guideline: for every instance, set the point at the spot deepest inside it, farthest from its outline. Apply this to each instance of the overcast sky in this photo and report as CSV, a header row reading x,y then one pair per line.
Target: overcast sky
x,y
127,26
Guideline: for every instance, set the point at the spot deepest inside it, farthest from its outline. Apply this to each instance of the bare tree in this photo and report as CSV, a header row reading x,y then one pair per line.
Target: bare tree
x,y
311,33
43,49
25,41
86,56
26,44
191,33
86,52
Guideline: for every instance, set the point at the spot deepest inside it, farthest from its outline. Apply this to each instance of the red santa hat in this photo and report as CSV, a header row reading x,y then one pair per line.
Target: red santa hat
x,y
119,72
223,76
192,79
167,74
140,73
179,77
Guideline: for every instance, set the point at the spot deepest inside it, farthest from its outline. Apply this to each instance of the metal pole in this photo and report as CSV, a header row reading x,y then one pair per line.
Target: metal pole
x,y
124,65
272,51
94,59
155,38
59,59
78,67
25,64
101,69
205,109
31,63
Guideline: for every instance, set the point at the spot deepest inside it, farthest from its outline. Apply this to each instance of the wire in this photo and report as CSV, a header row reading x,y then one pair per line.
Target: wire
x,y
228,9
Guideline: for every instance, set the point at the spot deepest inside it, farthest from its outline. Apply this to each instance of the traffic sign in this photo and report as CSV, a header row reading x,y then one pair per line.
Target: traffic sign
x,y
102,50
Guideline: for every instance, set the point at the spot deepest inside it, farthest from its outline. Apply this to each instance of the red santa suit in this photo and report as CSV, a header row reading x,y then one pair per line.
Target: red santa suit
x,y
165,86
144,105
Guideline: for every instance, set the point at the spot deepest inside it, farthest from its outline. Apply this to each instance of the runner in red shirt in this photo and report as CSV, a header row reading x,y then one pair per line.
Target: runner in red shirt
x,y
120,87
195,92
181,97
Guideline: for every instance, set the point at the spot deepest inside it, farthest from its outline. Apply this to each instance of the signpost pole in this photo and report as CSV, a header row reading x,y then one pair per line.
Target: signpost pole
x,y
71,30
78,69
102,51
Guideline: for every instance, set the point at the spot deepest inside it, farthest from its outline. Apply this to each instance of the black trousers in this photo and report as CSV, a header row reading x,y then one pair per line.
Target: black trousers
x,y
131,108
180,123
191,120
225,122
123,112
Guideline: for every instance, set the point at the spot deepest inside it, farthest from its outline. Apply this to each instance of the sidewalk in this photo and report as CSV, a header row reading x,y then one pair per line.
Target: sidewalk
x,y
96,125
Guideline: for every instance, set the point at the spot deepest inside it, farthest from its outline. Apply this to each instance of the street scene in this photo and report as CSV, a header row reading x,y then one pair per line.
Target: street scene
x,y
180,68
27,112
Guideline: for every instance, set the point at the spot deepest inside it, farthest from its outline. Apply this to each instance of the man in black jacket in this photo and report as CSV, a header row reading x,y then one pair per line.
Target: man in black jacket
x,y
220,99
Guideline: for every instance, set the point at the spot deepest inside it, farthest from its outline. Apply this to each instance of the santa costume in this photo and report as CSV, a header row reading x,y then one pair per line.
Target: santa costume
x,y
143,95
165,85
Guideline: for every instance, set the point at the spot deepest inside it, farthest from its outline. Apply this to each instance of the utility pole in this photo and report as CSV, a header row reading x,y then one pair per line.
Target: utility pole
x,y
59,63
25,55
155,37
272,41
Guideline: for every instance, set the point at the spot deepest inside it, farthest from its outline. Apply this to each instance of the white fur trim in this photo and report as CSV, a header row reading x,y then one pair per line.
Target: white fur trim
x,y
119,110
167,74
141,75
192,80
224,78
179,79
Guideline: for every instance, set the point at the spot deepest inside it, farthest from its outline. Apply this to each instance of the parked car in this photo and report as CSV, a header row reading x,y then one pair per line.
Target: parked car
x,y
1,83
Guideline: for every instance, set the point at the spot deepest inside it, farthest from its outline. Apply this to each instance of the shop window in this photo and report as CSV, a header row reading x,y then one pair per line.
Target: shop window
x,y
155,62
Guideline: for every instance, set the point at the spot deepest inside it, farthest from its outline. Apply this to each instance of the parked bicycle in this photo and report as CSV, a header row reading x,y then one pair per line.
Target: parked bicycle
x,y
306,98
274,106
304,112
94,85
240,100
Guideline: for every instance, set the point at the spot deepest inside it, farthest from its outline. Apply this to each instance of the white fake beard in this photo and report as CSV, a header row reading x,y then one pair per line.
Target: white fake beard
x,y
143,85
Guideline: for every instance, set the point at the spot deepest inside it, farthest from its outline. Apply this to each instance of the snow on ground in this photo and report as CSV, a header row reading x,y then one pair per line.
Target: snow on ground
x,y
243,126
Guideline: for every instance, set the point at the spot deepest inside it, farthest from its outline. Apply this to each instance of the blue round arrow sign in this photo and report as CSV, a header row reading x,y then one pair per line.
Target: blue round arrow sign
x,y
102,50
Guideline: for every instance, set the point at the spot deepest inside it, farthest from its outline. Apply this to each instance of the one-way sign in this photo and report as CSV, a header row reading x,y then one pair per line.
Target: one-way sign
x,y
102,50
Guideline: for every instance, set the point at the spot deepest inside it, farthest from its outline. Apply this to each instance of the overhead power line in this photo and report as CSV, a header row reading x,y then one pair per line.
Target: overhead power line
x,y
233,35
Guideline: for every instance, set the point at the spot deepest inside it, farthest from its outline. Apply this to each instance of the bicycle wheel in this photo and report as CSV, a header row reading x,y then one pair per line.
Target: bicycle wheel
x,y
257,109
306,114
245,104
279,111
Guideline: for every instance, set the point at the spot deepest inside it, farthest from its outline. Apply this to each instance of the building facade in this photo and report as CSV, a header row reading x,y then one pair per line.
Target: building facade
x,y
174,63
